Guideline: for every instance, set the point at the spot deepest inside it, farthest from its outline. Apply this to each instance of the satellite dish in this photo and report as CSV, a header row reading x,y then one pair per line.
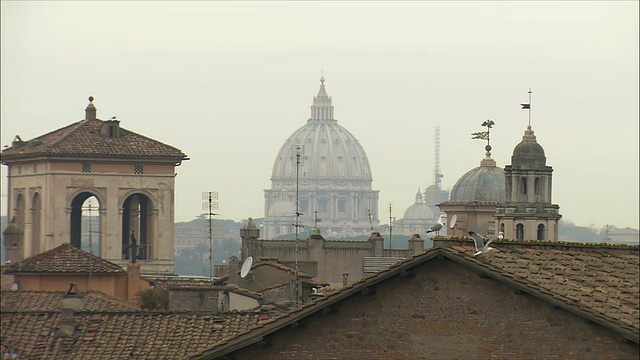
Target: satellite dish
x,y
453,221
246,267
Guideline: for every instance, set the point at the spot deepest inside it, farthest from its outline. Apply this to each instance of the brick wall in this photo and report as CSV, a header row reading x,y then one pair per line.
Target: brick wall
x,y
193,299
445,311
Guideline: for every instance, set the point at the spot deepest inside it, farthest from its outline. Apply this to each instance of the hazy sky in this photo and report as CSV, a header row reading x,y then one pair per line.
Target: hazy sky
x,y
228,82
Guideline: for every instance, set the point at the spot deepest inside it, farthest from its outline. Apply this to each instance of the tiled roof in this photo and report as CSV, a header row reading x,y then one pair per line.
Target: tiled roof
x,y
122,335
6,280
604,283
51,301
84,138
65,258
600,285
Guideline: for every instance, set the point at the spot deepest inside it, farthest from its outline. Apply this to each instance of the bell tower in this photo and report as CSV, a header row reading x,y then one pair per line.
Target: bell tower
x,y
527,213
97,186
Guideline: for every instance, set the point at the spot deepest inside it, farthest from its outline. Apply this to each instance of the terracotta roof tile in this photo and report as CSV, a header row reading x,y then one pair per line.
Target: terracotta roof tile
x,y
51,301
6,280
65,258
84,138
604,284
121,335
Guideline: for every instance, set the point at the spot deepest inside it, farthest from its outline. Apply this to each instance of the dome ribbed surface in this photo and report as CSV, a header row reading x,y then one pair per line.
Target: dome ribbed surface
x,y
329,151
485,183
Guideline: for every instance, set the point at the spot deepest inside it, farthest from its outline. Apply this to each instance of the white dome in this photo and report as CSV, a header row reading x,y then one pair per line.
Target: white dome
x,y
329,151
332,183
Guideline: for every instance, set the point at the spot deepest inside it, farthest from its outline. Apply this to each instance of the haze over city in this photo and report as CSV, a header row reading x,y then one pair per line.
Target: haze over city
x,y
228,82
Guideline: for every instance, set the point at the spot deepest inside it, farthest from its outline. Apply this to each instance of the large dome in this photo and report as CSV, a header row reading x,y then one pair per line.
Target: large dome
x,y
332,185
528,153
483,184
328,150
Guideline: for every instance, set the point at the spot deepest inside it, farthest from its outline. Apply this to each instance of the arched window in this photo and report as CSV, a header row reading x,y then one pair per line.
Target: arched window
x,y
36,222
536,186
520,232
523,186
137,224
85,223
502,228
541,232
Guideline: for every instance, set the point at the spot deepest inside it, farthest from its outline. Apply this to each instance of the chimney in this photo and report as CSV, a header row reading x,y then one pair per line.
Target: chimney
x,y
72,302
90,111
378,243
233,270
416,244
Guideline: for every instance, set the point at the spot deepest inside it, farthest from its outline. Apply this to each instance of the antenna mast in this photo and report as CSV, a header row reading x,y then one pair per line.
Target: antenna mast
x,y
298,152
210,205
437,176
390,227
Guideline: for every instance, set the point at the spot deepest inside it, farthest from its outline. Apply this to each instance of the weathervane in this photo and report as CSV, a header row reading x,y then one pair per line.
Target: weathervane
x,y
528,106
484,135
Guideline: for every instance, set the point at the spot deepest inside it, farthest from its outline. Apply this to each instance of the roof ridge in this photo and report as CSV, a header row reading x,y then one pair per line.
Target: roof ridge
x,y
75,126
24,266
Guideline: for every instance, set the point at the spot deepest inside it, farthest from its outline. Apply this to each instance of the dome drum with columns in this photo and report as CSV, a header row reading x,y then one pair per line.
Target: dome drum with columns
x,y
527,212
333,178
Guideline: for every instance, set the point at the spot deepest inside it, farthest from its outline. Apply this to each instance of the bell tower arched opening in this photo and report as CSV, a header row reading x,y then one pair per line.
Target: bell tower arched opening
x,y
36,223
137,224
85,223
19,212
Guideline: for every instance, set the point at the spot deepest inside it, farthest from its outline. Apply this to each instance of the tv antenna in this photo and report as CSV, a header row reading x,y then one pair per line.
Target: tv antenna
x,y
316,219
246,267
210,205
298,151
390,227
370,219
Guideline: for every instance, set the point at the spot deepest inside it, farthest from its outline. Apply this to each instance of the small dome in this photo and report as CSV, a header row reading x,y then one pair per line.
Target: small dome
x,y
484,184
528,153
419,210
